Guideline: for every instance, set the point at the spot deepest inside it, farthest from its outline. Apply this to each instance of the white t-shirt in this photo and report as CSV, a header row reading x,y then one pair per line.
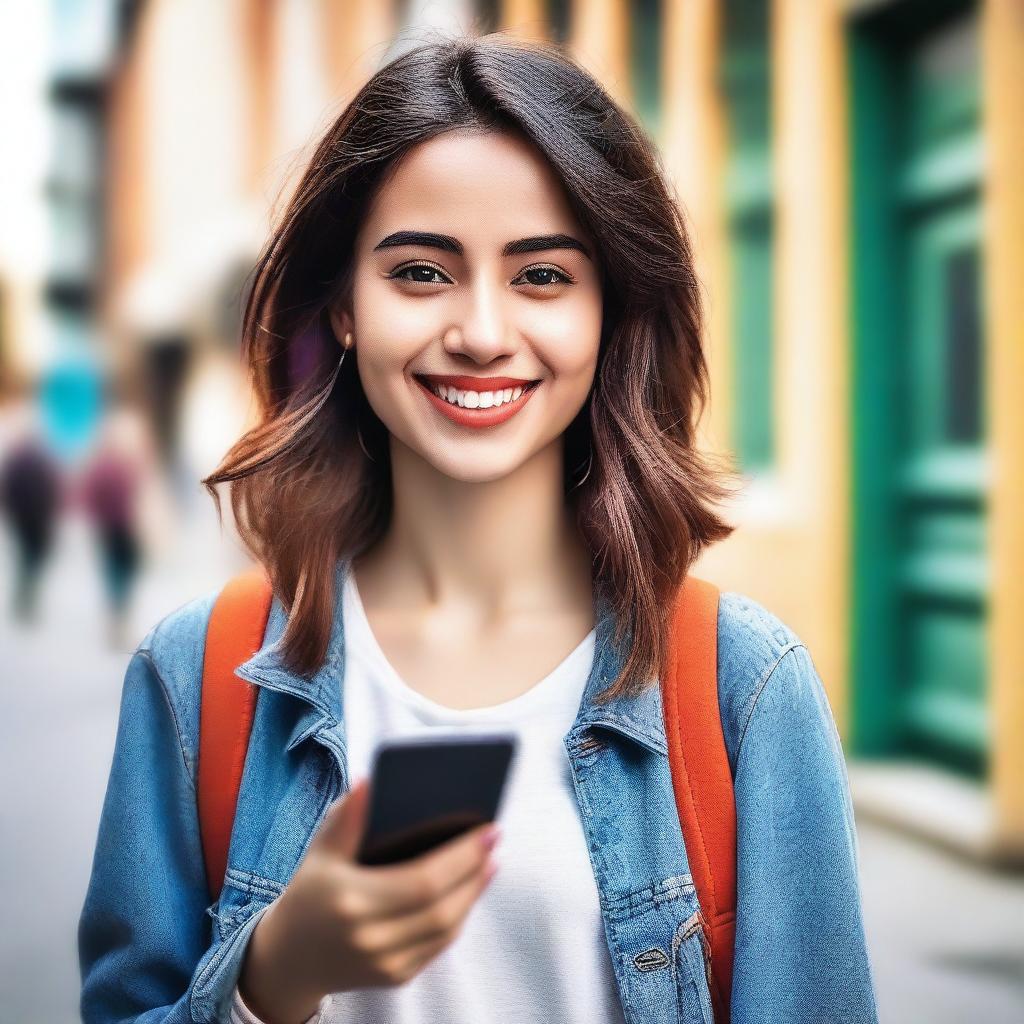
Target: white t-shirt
x,y
532,948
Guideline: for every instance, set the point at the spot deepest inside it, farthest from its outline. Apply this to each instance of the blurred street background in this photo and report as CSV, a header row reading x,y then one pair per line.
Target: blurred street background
x,y
852,176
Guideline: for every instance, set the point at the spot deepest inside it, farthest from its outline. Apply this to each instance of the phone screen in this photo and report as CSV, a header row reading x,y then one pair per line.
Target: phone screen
x,y
426,790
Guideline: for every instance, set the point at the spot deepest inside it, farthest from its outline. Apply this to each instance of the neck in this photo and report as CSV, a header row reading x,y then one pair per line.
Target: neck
x,y
493,548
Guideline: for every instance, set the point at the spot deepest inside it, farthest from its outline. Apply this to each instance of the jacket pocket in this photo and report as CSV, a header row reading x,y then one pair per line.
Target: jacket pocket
x,y
691,963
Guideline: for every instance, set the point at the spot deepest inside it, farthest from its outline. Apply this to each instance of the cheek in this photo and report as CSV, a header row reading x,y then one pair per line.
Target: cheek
x,y
568,339
388,331
384,312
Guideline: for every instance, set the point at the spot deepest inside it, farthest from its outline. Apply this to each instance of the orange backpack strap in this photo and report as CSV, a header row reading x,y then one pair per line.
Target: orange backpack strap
x,y
234,634
701,775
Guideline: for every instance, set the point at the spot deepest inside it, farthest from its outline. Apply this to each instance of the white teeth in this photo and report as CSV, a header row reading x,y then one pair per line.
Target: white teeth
x,y
476,399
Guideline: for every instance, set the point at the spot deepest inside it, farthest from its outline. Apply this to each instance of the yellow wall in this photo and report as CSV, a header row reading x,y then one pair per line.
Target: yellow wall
x,y
1003,87
790,551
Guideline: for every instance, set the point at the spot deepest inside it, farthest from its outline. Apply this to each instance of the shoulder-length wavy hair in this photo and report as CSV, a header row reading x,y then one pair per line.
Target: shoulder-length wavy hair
x,y
308,487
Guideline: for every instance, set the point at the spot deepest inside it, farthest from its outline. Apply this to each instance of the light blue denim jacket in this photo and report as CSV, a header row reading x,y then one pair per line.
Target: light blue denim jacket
x,y
148,952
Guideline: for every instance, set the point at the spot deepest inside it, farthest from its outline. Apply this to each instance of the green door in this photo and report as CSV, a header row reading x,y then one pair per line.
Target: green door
x,y
745,86
920,486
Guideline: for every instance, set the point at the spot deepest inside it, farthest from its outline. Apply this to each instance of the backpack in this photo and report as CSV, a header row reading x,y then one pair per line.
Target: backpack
x,y
701,775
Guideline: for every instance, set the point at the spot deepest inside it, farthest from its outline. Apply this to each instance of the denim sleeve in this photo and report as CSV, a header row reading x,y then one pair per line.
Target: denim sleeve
x,y
800,953
148,949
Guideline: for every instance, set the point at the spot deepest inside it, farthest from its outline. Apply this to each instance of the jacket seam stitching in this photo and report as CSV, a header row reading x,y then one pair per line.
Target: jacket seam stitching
x,y
165,692
758,690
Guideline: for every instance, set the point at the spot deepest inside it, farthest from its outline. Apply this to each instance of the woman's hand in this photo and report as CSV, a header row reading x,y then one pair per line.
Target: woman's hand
x,y
340,925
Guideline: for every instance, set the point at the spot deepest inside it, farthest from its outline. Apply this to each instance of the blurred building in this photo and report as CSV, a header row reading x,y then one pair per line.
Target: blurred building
x,y
24,252
851,172
851,176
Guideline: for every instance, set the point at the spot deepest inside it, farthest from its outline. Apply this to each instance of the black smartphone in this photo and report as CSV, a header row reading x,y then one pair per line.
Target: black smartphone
x,y
426,789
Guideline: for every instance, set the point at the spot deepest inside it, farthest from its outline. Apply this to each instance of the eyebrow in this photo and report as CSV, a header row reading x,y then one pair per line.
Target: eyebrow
x,y
536,243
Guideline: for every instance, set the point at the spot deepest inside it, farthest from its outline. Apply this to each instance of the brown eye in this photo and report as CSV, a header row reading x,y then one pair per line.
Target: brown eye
x,y
544,276
422,273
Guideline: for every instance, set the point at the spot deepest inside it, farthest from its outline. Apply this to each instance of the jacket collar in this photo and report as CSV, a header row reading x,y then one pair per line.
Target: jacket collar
x,y
637,719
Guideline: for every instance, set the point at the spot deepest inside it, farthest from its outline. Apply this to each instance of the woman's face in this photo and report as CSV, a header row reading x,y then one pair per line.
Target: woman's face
x,y
503,283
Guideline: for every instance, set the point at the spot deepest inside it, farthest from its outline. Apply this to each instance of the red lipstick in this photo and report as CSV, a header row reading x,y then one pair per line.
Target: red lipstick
x,y
466,417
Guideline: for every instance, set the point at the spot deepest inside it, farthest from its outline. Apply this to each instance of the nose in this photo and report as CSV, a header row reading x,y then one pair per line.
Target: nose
x,y
483,332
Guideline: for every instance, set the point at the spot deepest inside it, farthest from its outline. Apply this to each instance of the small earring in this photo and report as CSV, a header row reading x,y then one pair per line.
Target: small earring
x,y
348,340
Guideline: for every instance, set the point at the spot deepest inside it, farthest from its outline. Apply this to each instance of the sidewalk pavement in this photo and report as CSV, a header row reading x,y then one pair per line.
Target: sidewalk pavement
x,y
945,936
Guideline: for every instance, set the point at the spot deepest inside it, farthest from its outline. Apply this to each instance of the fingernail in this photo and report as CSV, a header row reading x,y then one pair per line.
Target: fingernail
x,y
492,866
491,835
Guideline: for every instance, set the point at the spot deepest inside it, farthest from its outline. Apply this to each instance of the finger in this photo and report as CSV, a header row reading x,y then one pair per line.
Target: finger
x,y
422,953
445,916
397,968
440,919
408,887
345,821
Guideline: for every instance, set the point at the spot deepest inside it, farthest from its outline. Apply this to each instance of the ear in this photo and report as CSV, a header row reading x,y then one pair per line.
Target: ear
x,y
341,322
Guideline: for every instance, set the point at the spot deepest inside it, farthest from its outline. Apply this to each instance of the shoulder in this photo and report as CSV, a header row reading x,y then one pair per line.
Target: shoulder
x,y
176,642
171,653
754,647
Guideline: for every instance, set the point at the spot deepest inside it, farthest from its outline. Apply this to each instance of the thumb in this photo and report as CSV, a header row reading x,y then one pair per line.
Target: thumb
x,y
343,825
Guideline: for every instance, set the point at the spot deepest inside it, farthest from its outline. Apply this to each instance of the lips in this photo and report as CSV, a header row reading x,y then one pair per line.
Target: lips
x,y
464,383
476,418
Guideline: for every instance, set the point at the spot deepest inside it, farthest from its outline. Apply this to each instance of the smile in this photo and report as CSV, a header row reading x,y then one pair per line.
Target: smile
x,y
472,408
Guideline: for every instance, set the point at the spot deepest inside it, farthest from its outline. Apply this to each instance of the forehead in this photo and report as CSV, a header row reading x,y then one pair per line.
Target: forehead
x,y
480,187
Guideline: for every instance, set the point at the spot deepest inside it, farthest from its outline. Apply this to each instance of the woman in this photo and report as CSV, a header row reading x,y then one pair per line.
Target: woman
x,y
451,550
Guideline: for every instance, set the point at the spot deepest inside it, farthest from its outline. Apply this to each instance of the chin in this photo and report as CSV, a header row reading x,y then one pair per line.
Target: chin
x,y
472,471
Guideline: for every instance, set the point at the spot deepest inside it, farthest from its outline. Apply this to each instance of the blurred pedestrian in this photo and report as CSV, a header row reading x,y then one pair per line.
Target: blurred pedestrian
x,y
30,496
108,491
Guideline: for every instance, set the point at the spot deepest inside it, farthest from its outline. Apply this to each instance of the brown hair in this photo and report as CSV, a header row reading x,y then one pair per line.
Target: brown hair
x,y
304,492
